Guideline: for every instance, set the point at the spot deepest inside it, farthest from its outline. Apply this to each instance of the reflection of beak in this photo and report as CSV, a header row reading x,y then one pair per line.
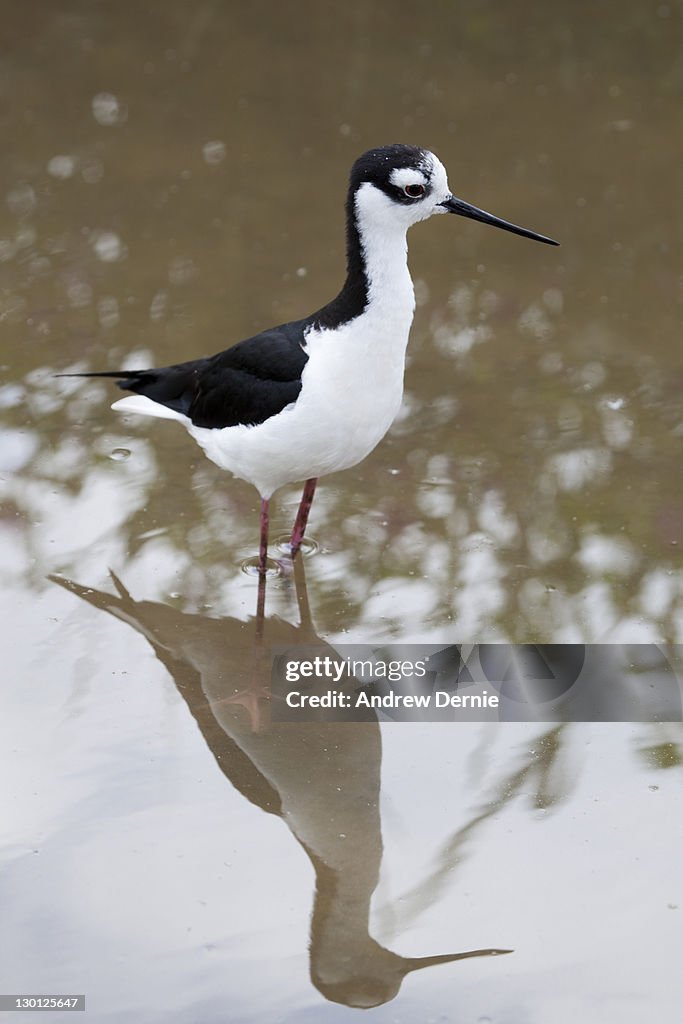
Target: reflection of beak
x,y
416,963
455,205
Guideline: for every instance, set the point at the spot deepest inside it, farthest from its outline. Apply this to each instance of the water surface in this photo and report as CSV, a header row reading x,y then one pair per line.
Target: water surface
x,y
172,181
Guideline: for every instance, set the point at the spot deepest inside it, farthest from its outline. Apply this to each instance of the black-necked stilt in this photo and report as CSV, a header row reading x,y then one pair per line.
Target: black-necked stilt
x,y
316,395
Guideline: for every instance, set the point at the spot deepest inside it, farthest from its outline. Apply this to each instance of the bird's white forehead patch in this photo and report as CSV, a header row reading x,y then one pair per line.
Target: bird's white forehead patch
x,y
402,176
438,176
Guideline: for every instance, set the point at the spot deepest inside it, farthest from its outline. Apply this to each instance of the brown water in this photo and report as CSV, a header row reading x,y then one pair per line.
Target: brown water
x,y
173,179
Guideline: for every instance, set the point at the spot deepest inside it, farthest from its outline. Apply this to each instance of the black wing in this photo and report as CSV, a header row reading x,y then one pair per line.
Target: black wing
x,y
246,384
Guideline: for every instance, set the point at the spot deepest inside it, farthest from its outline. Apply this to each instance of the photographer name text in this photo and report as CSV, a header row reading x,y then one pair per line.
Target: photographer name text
x,y
438,699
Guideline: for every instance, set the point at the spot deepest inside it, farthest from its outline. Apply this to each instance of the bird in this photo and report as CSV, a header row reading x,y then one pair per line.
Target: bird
x,y
315,396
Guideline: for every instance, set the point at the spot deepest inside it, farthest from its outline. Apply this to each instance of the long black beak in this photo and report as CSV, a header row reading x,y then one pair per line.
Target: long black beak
x,y
455,205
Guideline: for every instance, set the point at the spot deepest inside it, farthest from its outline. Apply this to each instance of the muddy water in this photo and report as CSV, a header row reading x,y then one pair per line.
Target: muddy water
x,y
172,180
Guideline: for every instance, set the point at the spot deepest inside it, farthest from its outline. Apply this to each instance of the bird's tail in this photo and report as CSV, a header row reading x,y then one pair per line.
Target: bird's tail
x,y
124,378
169,390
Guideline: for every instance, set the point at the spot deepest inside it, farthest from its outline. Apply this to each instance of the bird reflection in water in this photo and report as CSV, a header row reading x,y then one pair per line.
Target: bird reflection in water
x,y
321,778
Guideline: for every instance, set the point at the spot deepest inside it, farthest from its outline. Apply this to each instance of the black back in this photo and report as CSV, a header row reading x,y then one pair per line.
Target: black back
x,y
246,384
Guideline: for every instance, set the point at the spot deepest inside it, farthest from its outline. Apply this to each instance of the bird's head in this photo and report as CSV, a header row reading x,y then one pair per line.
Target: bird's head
x,y
400,185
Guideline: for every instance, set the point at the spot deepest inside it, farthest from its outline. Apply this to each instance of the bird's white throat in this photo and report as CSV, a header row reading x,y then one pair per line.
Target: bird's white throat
x,y
384,246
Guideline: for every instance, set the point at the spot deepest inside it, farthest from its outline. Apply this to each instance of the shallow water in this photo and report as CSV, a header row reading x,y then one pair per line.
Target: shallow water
x,y
173,180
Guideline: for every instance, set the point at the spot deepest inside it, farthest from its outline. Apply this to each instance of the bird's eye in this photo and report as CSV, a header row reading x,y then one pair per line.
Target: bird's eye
x,y
414,191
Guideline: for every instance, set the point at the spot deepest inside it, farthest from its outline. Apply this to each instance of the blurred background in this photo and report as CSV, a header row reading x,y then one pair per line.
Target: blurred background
x,y
172,179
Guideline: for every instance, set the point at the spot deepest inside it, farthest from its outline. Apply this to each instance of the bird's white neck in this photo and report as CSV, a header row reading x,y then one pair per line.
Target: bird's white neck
x,y
378,286
384,253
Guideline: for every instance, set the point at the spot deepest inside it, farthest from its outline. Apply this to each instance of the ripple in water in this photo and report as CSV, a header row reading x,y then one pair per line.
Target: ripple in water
x,y
250,568
308,547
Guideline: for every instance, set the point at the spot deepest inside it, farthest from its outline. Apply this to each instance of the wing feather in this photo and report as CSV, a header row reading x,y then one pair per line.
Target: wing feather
x,y
246,384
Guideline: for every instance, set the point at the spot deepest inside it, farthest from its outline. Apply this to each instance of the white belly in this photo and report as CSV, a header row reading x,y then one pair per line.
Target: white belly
x,y
352,388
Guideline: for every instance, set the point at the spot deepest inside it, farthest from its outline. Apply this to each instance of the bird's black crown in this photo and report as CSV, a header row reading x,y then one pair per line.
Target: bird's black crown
x,y
376,165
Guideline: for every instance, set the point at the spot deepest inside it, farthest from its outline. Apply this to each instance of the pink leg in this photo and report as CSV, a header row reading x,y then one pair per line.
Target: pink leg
x,y
263,544
302,515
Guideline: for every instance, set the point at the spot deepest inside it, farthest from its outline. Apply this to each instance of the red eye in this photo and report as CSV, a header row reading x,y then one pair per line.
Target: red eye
x,y
414,191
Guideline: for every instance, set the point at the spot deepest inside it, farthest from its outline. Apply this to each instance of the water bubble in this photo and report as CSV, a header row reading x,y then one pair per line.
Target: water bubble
x,y
301,272
214,152
108,247
107,110
61,166
120,454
